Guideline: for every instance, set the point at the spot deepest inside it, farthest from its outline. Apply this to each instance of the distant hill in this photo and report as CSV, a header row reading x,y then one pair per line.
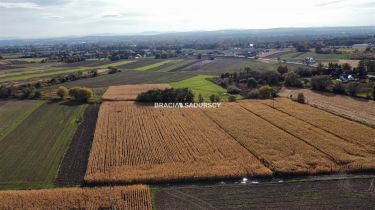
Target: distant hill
x,y
294,33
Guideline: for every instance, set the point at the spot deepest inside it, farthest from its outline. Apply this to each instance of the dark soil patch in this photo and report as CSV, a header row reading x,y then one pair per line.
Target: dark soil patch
x,y
331,194
73,167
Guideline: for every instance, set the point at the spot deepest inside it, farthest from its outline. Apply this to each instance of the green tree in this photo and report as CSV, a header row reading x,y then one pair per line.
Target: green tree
x,y
80,94
214,98
200,98
353,88
62,91
320,82
266,92
361,69
292,80
338,87
346,67
252,83
282,69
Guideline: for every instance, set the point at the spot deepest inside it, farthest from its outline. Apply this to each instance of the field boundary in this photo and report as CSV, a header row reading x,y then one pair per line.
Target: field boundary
x,y
263,161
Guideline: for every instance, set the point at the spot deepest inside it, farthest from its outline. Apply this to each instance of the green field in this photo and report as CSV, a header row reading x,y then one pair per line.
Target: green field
x,y
199,85
31,71
12,113
32,152
155,65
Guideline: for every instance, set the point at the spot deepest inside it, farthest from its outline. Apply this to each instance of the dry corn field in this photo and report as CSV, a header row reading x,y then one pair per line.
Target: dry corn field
x,y
348,155
129,92
138,143
350,131
137,197
279,150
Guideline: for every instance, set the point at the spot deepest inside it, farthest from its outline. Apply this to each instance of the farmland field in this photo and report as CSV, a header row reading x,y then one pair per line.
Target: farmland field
x,y
350,131
200,85
32,152
330,194
135,143
129,92
37,70
357,109
155,65
135,197
129,77
302,55
139,63
73,167
349,156
12,113
279,150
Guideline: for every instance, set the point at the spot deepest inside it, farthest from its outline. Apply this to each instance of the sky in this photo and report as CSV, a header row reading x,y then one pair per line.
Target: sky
x,y
57,18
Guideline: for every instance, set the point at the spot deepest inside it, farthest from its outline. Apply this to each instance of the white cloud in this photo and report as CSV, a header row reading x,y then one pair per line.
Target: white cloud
x,y
78,17
21,5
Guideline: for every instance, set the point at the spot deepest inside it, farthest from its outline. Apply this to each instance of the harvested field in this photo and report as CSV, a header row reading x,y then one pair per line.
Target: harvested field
x,y
129,92
32,152
350,131
280,151
73,167
135,143
135,197
356,109
347,155
330,194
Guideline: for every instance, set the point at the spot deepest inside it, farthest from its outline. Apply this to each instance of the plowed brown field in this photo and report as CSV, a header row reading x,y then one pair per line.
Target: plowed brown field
x,y
129,92
135,143
137,197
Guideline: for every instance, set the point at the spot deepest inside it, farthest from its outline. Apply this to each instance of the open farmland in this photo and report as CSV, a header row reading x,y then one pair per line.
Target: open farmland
x,y
32,152
329,194
38,70
200,85
135,143
139,63
73,167
12,113
292,56
151,66
350,131
136,197
223,65
349,156
129,77
356,109
129,92
175,65
279,150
